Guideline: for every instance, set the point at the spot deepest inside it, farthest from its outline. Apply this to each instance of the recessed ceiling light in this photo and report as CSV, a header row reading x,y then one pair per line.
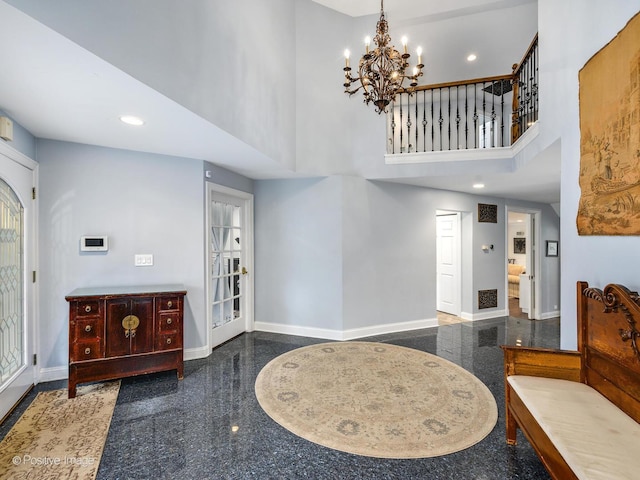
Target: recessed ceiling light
x,y
478,185
471,57
131,120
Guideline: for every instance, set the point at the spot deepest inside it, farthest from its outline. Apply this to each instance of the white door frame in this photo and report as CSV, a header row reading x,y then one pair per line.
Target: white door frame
x,y
27,376
458,253
536,251
247,200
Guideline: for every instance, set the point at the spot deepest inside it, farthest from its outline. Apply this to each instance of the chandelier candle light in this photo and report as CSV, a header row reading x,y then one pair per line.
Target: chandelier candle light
x,y
381,71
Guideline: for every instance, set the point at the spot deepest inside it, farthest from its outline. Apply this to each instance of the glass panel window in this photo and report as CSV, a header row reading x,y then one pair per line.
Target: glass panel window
x,y
11,283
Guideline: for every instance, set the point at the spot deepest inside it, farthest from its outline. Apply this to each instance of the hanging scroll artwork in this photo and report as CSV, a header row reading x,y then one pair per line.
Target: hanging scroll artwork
x,y
610,137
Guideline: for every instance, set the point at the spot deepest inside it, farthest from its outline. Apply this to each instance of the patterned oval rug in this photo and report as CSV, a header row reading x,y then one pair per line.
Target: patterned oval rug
x,y
376,399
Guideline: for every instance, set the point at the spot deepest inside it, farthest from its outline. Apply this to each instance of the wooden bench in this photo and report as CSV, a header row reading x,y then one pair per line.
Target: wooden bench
x,y
580,409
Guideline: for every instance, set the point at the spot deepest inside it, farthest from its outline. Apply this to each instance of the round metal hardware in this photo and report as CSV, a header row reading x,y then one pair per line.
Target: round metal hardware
x,y
87,308
87,351
130,322
169,304
87,328
168,341
169,321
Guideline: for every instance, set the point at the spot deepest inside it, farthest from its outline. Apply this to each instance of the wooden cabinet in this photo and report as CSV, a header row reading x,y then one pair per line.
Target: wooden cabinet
x,y
126,331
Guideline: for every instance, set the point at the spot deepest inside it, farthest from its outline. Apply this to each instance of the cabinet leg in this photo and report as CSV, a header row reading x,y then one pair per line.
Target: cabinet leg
x,y
180,371
72,389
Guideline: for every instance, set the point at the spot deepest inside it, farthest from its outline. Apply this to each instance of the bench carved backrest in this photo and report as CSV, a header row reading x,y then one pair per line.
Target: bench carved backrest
x,y
609,342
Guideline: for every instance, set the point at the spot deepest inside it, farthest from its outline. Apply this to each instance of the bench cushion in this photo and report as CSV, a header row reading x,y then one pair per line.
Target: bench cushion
x,y
596,439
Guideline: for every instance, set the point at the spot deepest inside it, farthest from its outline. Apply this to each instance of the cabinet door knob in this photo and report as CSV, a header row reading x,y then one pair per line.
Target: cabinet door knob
x,y
169,304
168,341
87,308
87,328
87,351
169,321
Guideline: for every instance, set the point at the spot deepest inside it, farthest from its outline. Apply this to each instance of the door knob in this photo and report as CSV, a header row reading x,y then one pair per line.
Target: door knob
x,y
244,271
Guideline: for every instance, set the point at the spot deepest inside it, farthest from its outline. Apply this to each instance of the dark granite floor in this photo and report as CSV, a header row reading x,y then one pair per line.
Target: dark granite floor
x,y
163,428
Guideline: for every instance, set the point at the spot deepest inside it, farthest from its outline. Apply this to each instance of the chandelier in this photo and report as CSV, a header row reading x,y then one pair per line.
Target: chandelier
x,y
381,71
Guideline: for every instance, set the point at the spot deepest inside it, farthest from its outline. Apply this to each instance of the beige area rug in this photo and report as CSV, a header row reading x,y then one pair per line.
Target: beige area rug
x,y
60,438
376,399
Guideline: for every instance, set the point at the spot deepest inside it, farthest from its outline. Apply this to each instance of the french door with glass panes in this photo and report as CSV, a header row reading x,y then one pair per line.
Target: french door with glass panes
x,y
230,246
17,254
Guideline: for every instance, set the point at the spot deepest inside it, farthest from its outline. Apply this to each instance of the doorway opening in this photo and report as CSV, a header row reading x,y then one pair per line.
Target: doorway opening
x,y
523,263
229,263
448,262
18,176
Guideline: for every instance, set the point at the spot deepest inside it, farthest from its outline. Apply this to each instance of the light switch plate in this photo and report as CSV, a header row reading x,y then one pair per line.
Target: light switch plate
x,y
143,260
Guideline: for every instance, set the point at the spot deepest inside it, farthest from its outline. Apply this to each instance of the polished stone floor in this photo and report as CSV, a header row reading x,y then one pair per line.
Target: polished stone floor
x,y
210,426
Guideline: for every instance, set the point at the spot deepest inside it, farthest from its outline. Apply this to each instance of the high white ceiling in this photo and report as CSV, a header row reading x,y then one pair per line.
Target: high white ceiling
x,y
58,90
405,9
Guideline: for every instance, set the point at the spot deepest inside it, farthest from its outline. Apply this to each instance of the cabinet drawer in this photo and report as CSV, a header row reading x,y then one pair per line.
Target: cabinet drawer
x,y
169,322
168,303
86,351
88,308
86,330
168,341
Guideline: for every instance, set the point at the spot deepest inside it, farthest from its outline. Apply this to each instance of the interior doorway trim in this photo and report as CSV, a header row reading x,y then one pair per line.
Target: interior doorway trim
x,y
536,250
20,173
455,306
213,189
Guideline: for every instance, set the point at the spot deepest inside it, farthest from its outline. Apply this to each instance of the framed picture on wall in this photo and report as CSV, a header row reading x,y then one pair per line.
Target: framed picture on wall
x,y
519,245
552,248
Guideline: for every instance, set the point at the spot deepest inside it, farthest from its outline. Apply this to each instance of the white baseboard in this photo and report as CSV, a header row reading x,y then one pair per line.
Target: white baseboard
x,y
196,353
389,328
298,331
548,315
350,334
53,373
472,317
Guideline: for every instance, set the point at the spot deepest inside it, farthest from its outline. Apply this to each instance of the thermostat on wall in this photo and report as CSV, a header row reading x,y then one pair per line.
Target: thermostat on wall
x,y
94,243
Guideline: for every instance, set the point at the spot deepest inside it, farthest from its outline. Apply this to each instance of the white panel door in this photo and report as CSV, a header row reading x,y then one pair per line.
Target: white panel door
x,y
230,244
448,263
17,323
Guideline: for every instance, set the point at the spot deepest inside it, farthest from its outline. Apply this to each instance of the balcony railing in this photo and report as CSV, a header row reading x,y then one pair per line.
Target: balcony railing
x,y
479,113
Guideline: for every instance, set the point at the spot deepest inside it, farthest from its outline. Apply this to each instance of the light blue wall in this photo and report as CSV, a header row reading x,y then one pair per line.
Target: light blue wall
x,y
221,176
389,253
571,32
369,247
298,253
145,203
22,141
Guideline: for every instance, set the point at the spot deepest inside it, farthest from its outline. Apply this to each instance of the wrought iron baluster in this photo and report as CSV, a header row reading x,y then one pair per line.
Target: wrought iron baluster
x,y
475,115
416,118
393,127
458,117
502,87
493,115
534,87
484,115
424,121
440,119
466,116
401,142
433,125
408,123
449,118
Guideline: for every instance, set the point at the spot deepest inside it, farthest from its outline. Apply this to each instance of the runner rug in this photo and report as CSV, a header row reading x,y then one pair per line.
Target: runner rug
x,y
376,400
60,438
